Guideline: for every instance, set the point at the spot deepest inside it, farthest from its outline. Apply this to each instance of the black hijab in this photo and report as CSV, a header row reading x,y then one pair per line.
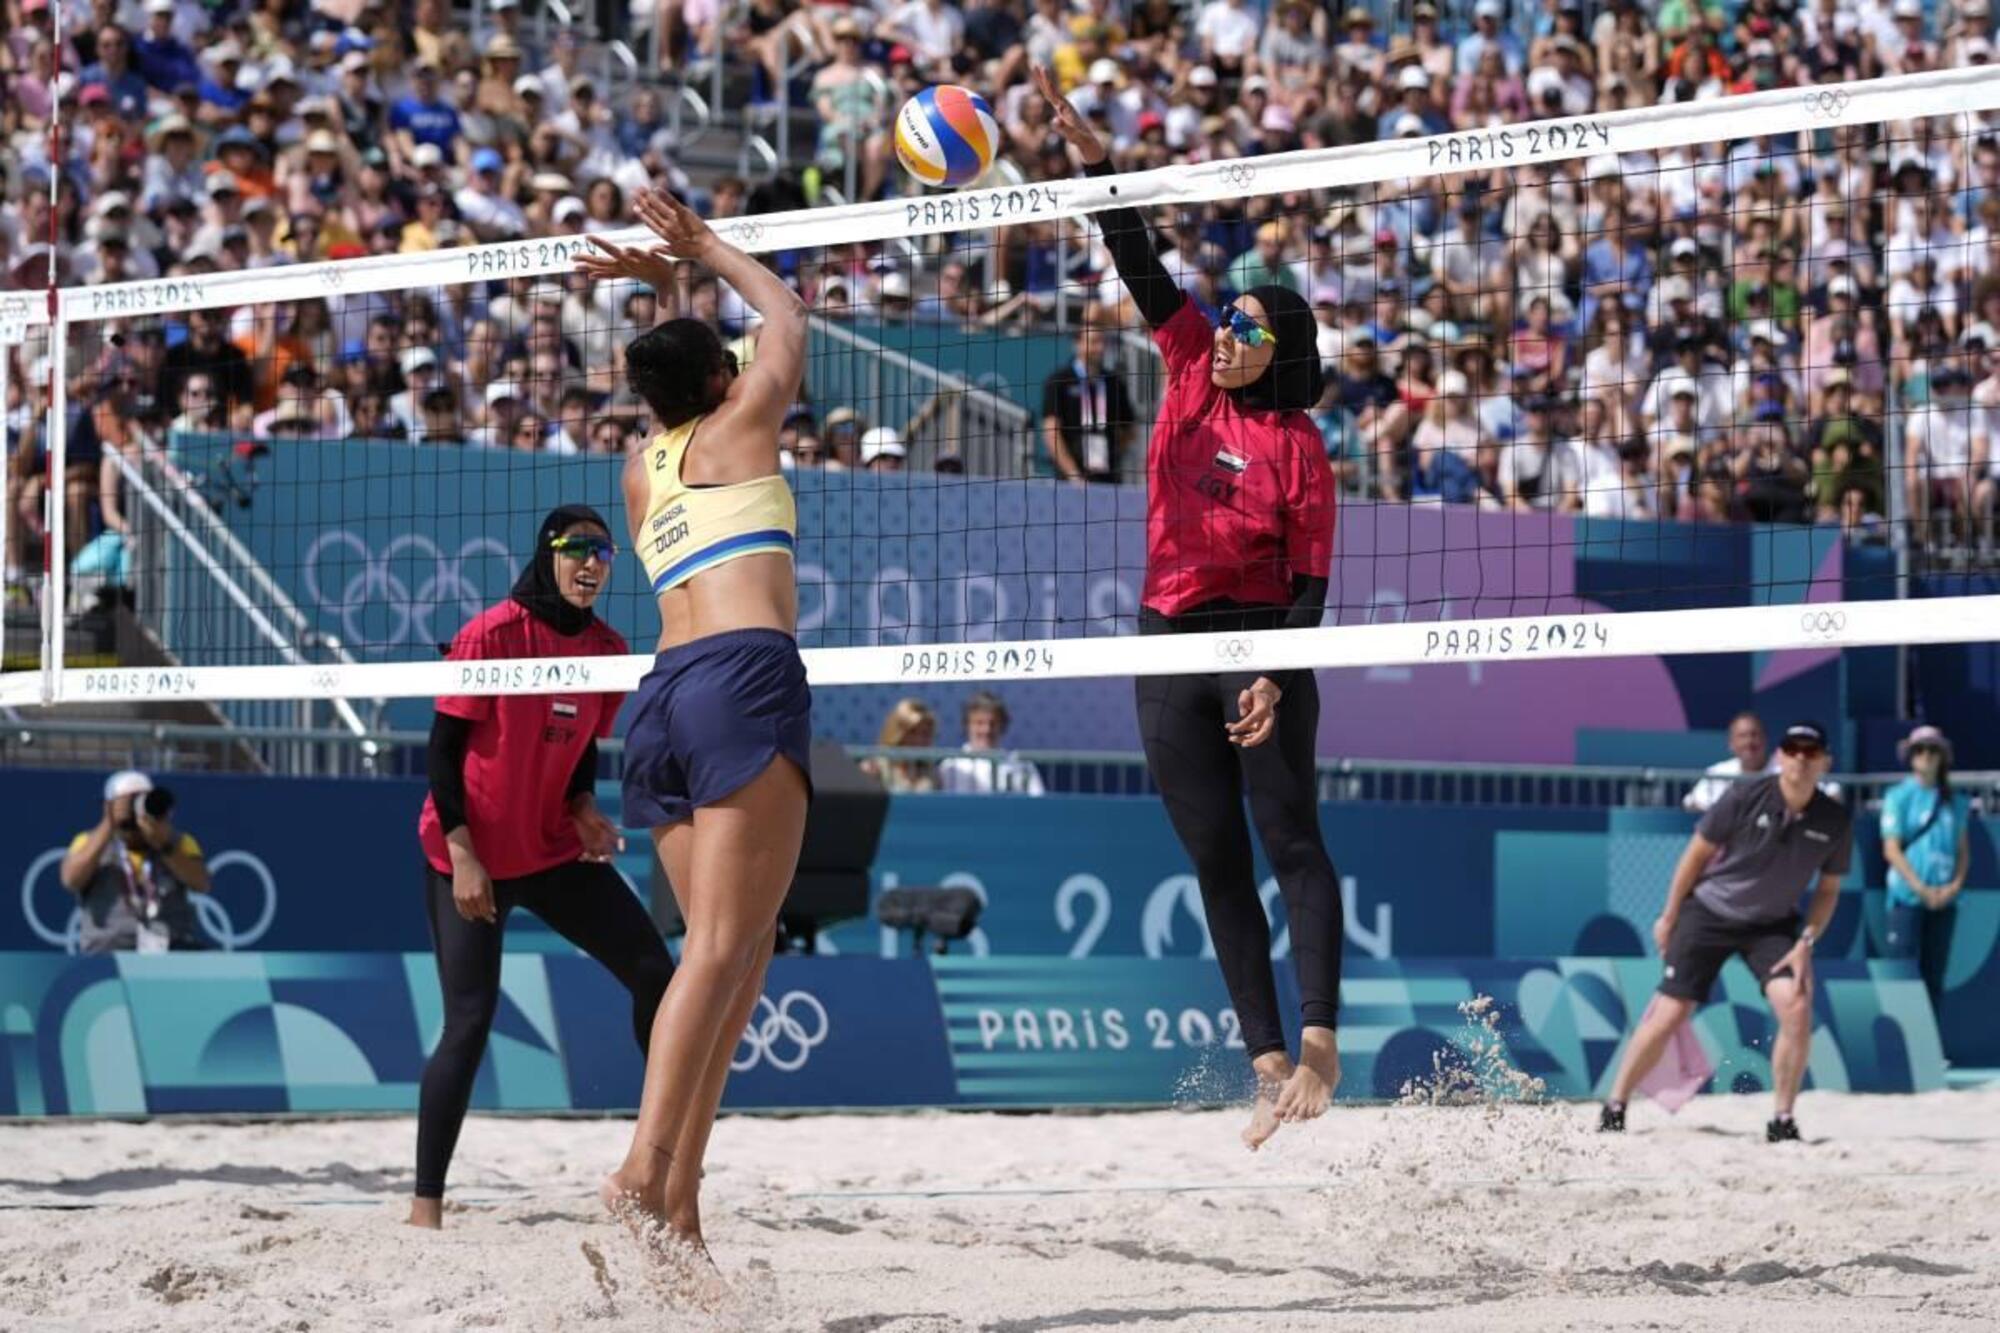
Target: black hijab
x,y
1293,382
537,590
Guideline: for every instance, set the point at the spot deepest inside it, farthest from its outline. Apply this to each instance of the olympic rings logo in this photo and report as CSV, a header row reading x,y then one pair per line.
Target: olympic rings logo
x,y
217,922
1823,623
1239,174
1828,103
1234,650
782,1035
331,278
747,232
326,681
409,580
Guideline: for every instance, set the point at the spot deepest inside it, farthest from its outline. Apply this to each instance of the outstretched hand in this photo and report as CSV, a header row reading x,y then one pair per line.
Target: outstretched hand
x,y
685,234
1069,122
652,265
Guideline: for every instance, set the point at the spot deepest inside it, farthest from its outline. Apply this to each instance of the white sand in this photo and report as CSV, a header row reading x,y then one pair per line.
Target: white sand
x,y
1375,1218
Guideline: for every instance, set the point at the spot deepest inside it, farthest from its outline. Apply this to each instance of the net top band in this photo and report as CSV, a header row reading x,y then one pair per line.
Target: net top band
x,y
1642,130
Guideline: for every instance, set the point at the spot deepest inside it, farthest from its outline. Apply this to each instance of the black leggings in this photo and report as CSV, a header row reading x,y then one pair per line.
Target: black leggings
x,y
588,905
1202,778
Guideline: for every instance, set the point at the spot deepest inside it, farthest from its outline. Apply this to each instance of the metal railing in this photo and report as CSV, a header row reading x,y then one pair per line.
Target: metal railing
x,y
166,747
204,598
938,413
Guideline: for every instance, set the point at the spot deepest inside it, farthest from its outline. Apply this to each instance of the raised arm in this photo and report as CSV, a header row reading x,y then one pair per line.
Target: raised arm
x,y
652,265
1126,234
767,390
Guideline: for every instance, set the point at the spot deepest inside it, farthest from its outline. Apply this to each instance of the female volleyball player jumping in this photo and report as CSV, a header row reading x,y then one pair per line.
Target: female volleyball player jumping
x,y
716,760
1239,538
511,821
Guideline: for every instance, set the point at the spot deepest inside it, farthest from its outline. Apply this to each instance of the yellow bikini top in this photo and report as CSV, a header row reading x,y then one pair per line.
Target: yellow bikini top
x,y
689,529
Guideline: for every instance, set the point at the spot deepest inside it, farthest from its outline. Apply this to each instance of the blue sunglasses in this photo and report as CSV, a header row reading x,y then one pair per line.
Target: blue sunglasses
x,y
583,548
1247,330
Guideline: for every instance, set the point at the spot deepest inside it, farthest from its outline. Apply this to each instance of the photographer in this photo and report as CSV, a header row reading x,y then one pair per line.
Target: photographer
x,y
134,871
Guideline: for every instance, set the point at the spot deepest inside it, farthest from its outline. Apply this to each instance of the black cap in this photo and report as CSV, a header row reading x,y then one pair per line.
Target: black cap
x,y
1804,733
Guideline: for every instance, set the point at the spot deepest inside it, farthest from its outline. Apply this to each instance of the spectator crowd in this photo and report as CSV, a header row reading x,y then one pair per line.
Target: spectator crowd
x,y
1715,332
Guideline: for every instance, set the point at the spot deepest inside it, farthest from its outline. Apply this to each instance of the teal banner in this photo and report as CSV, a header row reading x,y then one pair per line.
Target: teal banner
x,y
247,1033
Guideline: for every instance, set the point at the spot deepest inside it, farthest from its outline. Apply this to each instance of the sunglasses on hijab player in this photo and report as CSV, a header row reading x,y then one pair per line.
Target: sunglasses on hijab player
x,y
1245,329
578,547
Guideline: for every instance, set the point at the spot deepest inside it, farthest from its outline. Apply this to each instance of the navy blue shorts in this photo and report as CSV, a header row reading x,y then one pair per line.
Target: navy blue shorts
x,y
709,718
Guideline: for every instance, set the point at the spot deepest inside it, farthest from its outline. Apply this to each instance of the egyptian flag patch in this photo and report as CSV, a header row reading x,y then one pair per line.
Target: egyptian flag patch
x,y
563,708
1229,462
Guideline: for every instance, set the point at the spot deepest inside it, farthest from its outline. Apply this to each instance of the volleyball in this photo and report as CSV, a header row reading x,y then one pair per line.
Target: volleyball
x,y
946,136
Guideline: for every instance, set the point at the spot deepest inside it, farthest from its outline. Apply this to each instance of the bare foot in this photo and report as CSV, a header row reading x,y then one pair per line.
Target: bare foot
x,y
427,1213
1263,1115
685,1274
1310,1088
632,1206
679,1261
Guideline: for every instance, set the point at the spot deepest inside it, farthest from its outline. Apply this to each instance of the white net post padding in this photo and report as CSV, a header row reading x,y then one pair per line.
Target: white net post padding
x,y
1787,111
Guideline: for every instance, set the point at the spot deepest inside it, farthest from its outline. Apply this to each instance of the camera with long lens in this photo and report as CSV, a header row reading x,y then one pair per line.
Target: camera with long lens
x,y
155,804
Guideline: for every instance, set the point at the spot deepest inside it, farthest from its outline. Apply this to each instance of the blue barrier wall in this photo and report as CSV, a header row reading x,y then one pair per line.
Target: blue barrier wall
x,y
1095,877
392,548
216,1033
1098,877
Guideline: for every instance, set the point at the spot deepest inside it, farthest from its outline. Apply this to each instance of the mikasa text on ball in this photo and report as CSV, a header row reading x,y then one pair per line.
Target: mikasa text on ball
x,y
946,136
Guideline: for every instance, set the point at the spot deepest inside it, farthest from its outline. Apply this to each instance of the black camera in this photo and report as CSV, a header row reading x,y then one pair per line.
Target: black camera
x,y
155,804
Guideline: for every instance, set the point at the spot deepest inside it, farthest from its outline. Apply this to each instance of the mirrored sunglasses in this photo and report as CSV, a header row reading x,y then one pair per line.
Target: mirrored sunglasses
x,y
584,548
1247,330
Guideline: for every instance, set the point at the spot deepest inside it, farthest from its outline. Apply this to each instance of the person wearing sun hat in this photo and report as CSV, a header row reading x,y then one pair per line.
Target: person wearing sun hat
x,y
1927,841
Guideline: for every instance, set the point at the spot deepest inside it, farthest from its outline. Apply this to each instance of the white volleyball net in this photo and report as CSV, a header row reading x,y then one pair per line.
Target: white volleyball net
x,y
1705,379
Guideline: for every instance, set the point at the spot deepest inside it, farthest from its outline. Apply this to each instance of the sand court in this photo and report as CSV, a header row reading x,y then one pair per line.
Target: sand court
x,y
1485,1217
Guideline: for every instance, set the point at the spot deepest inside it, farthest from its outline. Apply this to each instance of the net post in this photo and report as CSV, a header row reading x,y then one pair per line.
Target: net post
x,y
10,338
55,489
55,559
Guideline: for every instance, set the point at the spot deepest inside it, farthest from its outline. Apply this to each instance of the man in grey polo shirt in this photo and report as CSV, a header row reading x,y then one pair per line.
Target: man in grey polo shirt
x,y
1736,891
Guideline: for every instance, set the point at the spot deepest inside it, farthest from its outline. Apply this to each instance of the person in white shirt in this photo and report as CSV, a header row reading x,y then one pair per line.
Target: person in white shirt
x,y
1715,399
1451,423
1593,472
933,30
491,215
1985,416
1122,106
1920,233
1945,455
982,770
1750,756
1912,297
1227,31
